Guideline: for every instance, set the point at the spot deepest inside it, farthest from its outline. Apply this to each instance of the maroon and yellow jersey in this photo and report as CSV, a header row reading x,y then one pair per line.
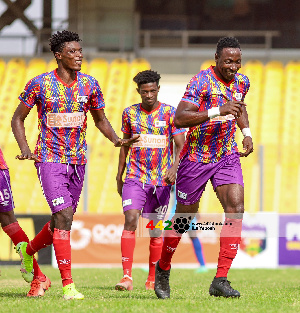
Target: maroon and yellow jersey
x,y
150,158
62,115
3,165
210,141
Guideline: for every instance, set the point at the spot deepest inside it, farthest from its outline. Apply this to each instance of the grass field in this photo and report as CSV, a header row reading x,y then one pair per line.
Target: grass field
x,y
261,291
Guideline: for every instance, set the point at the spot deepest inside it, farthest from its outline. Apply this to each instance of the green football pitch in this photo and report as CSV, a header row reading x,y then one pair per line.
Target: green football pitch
x,y
261,290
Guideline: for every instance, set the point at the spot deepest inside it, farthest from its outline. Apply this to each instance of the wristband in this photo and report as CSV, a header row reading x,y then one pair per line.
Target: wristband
x,y
213,112
246,132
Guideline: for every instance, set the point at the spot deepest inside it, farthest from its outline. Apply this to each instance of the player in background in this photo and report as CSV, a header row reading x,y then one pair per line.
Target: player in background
x,y
39,282
212,106
150,170
63,98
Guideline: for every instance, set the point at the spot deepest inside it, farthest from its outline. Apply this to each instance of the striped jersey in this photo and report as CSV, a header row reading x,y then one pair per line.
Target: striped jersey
x,y
214,139
150,158
62,115
3,165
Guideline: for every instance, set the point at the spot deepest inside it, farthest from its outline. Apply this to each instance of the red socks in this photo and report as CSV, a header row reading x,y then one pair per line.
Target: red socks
x,y
17,234
155,248
62,247
43,239
169,247
230,238
127,248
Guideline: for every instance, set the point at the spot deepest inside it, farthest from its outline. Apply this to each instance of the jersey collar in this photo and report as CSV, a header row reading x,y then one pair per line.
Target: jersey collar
x,y
219,79
61,81
147,112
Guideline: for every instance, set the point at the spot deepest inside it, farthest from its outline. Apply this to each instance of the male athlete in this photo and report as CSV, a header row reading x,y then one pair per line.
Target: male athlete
x,y
212,106
150,170
39,282
63,98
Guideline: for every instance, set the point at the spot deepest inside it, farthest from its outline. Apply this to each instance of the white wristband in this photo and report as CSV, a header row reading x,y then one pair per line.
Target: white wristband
x,y
213,112
246,132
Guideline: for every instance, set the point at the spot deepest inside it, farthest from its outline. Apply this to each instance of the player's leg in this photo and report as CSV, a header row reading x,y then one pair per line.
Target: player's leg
x,y
197,248
155,247
228,184
190,184
11,226
133,199
155,210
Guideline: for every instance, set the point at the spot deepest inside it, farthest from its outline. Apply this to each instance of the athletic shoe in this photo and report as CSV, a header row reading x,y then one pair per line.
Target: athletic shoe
x,y
70,293
149,285
125,284
162,286
201,269
220,287
38,287
26,261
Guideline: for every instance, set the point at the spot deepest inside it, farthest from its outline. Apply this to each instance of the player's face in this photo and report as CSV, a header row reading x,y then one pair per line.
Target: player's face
x,y
148,93
71,56
228,63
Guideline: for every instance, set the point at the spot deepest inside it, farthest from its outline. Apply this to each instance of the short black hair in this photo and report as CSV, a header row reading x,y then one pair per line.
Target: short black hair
x,y
58,40
227,42
146,77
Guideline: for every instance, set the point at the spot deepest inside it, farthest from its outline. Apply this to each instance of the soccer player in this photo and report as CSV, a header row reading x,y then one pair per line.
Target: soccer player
x,y
212,106
150,170
63,98
39,282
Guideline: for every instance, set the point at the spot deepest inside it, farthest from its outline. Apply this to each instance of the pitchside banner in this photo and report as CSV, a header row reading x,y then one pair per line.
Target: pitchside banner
x,y
96,242
268,240
289,240
32,225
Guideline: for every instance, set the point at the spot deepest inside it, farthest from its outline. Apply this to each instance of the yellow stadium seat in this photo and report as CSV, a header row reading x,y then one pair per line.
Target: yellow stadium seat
x,y
206,64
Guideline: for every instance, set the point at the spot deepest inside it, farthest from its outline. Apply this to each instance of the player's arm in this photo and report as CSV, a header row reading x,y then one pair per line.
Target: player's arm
x,y
187,114
18,128
243,124
170,176
106,129
122,165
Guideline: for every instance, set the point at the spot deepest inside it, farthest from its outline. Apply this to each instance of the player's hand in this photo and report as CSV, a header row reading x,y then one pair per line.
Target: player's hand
x,y
247,146
127,142
232,107
27,155
120,184
170,176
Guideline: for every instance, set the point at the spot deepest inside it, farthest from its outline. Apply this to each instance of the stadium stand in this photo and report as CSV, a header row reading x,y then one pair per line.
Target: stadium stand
x,y
271,105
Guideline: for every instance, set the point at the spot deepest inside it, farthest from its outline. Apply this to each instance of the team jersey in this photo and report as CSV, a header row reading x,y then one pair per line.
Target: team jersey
x,y
150,158
210,141
3,165
62,115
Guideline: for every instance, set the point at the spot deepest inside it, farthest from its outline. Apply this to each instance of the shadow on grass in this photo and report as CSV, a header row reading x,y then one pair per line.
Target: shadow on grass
x,y
13,295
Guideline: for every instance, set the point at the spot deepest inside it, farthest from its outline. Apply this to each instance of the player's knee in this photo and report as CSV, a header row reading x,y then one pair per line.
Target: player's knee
x,y
131,221
156,232
63,219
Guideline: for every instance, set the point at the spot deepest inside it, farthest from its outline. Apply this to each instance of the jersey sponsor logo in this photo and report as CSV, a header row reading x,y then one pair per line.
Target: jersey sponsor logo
x,y
151,141
54,99
74,120
181,194
83,99
160,123
58,201
127,202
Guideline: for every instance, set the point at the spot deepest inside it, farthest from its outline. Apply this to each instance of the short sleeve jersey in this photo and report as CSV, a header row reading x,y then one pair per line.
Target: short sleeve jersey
x,y
62,115
3,165
148,160
214,139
